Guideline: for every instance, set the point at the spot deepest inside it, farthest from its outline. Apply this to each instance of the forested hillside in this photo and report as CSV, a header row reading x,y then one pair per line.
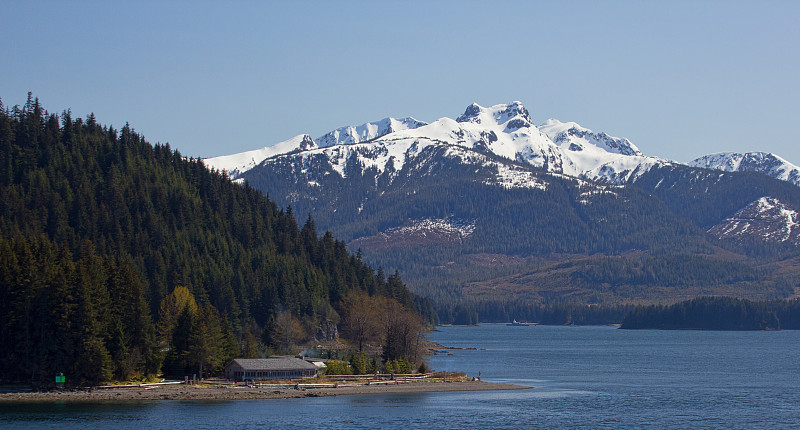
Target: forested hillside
x,y
716,313
706,197
551,214
516,249
119,257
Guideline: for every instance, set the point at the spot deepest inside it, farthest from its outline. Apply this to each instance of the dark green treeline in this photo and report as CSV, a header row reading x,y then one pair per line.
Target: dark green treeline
x,y
716,313
503,311
98,227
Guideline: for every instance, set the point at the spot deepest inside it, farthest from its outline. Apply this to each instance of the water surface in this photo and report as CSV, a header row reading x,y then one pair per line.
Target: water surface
x,y
583,377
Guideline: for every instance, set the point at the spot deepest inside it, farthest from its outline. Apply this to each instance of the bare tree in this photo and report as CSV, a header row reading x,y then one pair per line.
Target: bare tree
x,y
383,320
286,331
362,322
403,333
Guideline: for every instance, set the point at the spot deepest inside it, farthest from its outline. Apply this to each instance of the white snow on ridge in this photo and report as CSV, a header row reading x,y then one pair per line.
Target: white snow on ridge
x,y
571,134
508,177
236,164
766,218
597,156
505,130
366,132
448,226
513,178
378,154
726,161
761,162
567,148
374,154
771,207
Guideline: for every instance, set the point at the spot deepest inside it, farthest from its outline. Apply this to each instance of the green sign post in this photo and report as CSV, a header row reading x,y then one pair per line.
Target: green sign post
x,y
60,379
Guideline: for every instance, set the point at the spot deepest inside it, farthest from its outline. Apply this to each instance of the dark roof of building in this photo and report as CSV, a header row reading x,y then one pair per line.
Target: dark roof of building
x,y
252,364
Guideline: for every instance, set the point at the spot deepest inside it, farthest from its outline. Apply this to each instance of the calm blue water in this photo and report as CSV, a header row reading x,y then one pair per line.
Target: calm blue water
x,y
583,377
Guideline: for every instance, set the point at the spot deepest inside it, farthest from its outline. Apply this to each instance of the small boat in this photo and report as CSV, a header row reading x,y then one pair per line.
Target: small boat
x,y
517,323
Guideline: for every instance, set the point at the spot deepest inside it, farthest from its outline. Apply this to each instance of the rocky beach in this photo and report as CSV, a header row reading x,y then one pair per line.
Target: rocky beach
x,y
271,391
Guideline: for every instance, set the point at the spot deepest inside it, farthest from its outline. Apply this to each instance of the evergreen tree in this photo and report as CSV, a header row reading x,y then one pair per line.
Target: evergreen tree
x,y
114,253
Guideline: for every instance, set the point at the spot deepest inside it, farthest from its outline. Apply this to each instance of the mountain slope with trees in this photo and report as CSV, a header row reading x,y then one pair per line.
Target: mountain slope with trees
x,y
473,224
122,258
454,231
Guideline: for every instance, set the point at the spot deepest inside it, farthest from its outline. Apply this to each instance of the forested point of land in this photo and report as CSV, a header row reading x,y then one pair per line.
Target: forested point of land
x,y
704,313
716,313
121,259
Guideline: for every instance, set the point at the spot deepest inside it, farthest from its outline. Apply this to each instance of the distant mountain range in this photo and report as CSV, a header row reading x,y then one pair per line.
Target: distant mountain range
x,y
507,131
760,162
489,199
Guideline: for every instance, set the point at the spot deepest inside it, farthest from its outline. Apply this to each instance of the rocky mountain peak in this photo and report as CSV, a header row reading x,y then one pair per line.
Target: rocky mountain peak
x,y
572,136
513,115
470,113
306,143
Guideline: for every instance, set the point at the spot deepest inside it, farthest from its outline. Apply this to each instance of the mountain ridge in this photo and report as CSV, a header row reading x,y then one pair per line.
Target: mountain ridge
x,y
463,206
508,130
761,162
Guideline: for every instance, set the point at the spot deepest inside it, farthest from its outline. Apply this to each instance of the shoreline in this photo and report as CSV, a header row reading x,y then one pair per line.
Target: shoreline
x,y
200,392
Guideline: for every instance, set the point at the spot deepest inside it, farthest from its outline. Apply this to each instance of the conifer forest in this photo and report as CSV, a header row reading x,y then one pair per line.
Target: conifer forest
x,y
121,259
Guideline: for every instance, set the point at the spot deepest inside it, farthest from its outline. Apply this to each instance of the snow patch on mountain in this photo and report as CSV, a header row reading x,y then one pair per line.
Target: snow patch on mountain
x,y
573,137
366,132
419,233
588,192
506,175
761,162
378,155
510,178
766,219
597,156
236,164
444,226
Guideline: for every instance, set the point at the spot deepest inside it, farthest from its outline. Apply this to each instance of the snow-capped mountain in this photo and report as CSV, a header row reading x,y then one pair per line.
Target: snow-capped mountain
x,y
501,147
236,164
490,185
766,219
761,162
504,130
507,130
596,155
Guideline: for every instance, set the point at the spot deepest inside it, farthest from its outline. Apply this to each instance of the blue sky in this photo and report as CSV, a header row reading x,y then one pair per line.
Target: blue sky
x,y
679,78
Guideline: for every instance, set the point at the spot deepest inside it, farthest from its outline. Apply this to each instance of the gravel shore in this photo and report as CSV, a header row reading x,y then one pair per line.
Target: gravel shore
x,y
201,392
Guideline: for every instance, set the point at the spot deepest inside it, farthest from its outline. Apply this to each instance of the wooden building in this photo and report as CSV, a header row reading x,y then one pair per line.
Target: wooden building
x,y
251,369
